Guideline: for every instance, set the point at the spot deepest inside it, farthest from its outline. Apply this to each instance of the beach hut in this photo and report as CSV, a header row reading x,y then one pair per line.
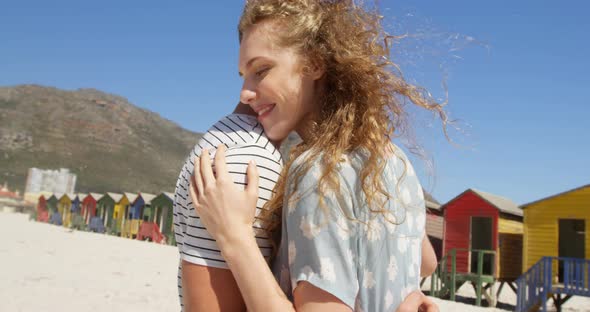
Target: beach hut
x,y
42,212
63,206
104,219
88,206
135,214
55,216
477,220
147,210
68,204
77,220
556,250
76,202
434,225
557,226
157,220
121,212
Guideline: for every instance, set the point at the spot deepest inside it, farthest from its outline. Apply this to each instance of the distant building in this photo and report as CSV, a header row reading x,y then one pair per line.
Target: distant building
x,y
40,181
7,193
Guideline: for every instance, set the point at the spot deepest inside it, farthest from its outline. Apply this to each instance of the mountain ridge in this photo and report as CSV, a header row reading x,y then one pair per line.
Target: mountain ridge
x,y
108,142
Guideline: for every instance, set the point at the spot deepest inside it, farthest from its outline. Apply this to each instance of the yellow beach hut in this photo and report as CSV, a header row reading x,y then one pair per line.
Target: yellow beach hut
x,y
120,212
63,206
556,249
557,226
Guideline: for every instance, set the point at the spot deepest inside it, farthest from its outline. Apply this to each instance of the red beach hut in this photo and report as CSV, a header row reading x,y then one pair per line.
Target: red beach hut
x,y
88,207
42,212
477,220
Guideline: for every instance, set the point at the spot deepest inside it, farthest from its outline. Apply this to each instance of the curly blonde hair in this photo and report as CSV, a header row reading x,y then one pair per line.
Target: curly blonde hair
x,y
362,107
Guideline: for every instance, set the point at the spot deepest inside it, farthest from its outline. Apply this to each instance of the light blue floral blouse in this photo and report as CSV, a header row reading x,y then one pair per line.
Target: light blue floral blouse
x,y
369,261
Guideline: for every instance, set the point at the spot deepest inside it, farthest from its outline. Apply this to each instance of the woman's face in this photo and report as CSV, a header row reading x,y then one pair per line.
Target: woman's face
x,y
274,84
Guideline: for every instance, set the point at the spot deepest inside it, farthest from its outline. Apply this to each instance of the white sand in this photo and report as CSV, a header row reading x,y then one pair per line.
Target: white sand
x,y
49,268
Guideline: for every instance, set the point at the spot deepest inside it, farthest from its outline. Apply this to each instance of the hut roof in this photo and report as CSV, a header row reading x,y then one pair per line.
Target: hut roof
x,y
431,203
96,196
503,204
170,195
69,196
147,197
553,196
115,196
131,196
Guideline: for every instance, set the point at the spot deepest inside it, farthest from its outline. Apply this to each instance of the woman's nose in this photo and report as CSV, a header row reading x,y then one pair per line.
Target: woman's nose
x,y
247,95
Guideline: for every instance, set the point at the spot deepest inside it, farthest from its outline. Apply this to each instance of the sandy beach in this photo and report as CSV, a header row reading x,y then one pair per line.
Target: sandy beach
x,y
51,268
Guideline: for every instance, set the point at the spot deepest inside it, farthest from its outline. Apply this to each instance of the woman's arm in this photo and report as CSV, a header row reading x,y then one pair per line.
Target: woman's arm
x,y
429,261
228,213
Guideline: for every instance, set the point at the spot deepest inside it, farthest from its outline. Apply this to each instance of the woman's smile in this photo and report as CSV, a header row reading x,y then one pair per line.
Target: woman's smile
x,y
264,111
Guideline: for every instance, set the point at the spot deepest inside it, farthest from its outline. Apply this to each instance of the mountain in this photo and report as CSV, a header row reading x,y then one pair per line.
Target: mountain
x,y
109,143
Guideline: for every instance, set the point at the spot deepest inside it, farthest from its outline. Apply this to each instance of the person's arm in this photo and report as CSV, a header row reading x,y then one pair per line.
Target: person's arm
x,y
238,246
202,288
429,262
210,289
207,283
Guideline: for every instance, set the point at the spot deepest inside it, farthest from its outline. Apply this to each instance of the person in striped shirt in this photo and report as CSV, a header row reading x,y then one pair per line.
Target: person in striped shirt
x,y
201,259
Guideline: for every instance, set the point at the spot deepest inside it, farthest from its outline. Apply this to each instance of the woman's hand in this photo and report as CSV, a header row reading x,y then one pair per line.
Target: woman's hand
x,y
224,209
417,301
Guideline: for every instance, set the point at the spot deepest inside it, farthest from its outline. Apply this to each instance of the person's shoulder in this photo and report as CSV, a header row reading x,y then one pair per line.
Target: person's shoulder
x,y
235,129
256,150
240,120
237,122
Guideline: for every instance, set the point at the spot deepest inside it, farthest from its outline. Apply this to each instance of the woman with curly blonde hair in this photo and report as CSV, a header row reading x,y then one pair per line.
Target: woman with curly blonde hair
x,y
348,205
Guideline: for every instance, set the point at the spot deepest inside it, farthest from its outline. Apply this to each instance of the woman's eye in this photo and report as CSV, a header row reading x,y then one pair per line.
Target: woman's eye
x,y
262,72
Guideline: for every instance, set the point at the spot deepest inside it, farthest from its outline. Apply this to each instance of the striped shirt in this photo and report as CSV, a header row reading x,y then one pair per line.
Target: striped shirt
x,y
245,140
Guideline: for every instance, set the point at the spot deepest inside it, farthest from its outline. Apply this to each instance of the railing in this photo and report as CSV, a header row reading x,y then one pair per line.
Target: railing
x,y
441,278
536,285
444,279
576,276
532,287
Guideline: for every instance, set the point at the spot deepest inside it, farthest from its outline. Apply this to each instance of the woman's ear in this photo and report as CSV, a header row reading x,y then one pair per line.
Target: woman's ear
x,y
315,69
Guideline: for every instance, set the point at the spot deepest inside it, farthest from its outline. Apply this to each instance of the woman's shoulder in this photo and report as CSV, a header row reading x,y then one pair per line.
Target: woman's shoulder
x,y
312,165
401,173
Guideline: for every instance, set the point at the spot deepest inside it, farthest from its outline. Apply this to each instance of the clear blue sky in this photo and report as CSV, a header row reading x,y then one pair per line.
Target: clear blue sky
x,y
517,75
